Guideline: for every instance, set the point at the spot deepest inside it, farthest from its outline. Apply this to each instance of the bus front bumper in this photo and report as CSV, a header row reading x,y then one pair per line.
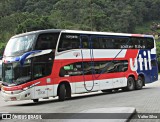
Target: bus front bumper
x,y
24,95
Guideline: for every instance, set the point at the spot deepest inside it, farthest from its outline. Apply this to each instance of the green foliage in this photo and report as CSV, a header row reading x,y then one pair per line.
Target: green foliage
x,y
18,16
34,24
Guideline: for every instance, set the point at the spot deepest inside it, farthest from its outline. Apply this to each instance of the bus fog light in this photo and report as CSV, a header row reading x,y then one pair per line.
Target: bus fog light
x,y
26,95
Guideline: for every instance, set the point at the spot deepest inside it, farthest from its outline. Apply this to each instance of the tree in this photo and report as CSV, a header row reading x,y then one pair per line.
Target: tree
x,y
34,24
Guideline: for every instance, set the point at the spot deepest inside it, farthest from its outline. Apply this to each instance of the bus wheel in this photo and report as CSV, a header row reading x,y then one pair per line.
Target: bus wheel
x,y
139,83
35,100
62,92
130,84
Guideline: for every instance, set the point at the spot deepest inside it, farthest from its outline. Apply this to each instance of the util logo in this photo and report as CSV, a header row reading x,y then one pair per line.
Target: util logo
x,y
146,61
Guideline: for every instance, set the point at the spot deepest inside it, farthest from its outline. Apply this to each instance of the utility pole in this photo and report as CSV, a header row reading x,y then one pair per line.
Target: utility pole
x,y
91,15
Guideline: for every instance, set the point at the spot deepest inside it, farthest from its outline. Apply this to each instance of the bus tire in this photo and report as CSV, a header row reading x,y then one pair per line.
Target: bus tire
x,y
130,84
139,83
62,92
35,100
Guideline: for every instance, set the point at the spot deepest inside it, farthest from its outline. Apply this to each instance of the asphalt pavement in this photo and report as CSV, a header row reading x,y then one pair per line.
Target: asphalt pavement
x,y
143,101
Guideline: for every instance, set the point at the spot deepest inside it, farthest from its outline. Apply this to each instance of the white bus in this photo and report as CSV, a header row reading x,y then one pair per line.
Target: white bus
x,y
53,62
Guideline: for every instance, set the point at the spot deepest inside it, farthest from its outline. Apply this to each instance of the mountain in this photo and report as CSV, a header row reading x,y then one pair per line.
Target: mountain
x,y
19,16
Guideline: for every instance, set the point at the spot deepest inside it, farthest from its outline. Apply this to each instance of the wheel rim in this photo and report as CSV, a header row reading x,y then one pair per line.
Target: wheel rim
x,y
130,84
139,83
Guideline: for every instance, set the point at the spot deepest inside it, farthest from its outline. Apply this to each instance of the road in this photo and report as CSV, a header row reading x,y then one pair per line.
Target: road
x,y
145,101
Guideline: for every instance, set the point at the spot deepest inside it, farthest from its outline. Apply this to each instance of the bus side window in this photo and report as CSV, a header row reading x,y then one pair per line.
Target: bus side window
x,y
153,63
102,43
42,66
68,41
74,69
123,42
98,42
95,43
149,43
141,43
111,43
47,41
85,42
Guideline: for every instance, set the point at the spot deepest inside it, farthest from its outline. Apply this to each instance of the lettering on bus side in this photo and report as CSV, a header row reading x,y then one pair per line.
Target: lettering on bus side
x,y
140,60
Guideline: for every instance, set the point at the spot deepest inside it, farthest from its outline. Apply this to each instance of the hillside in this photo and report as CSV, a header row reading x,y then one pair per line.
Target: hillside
x,y
19,16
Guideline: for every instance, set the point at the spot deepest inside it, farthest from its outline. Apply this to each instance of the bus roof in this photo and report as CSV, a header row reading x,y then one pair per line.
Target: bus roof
x,y
82,32
38,32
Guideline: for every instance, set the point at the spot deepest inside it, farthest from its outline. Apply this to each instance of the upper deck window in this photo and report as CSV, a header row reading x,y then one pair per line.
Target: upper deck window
x,y
118,42
47,41
69,41
82,41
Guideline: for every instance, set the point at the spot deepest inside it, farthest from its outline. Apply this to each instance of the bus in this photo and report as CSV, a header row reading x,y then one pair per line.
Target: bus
x,y
57,62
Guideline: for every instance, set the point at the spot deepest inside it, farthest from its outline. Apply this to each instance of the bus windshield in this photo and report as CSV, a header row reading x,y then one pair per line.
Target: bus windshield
x,y
15,74
19,45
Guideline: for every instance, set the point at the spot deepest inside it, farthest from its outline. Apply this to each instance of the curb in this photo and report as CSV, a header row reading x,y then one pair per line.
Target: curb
x,y
116,114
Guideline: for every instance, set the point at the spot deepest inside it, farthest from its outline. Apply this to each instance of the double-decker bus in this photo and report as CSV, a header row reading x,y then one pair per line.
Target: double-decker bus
x,y
49,63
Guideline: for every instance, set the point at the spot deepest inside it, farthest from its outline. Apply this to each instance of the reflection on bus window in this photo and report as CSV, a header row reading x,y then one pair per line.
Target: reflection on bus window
x,y
68,42
98,67
116,42
42,66
47,41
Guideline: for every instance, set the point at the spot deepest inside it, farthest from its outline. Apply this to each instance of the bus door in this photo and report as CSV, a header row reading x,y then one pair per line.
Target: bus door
x,y
42,67
43,63
88,72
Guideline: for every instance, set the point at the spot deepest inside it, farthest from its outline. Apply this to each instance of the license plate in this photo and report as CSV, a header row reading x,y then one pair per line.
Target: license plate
x,y
13,98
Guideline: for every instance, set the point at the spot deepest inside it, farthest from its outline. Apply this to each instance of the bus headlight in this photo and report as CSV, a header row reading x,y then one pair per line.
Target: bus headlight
x,y
25,88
